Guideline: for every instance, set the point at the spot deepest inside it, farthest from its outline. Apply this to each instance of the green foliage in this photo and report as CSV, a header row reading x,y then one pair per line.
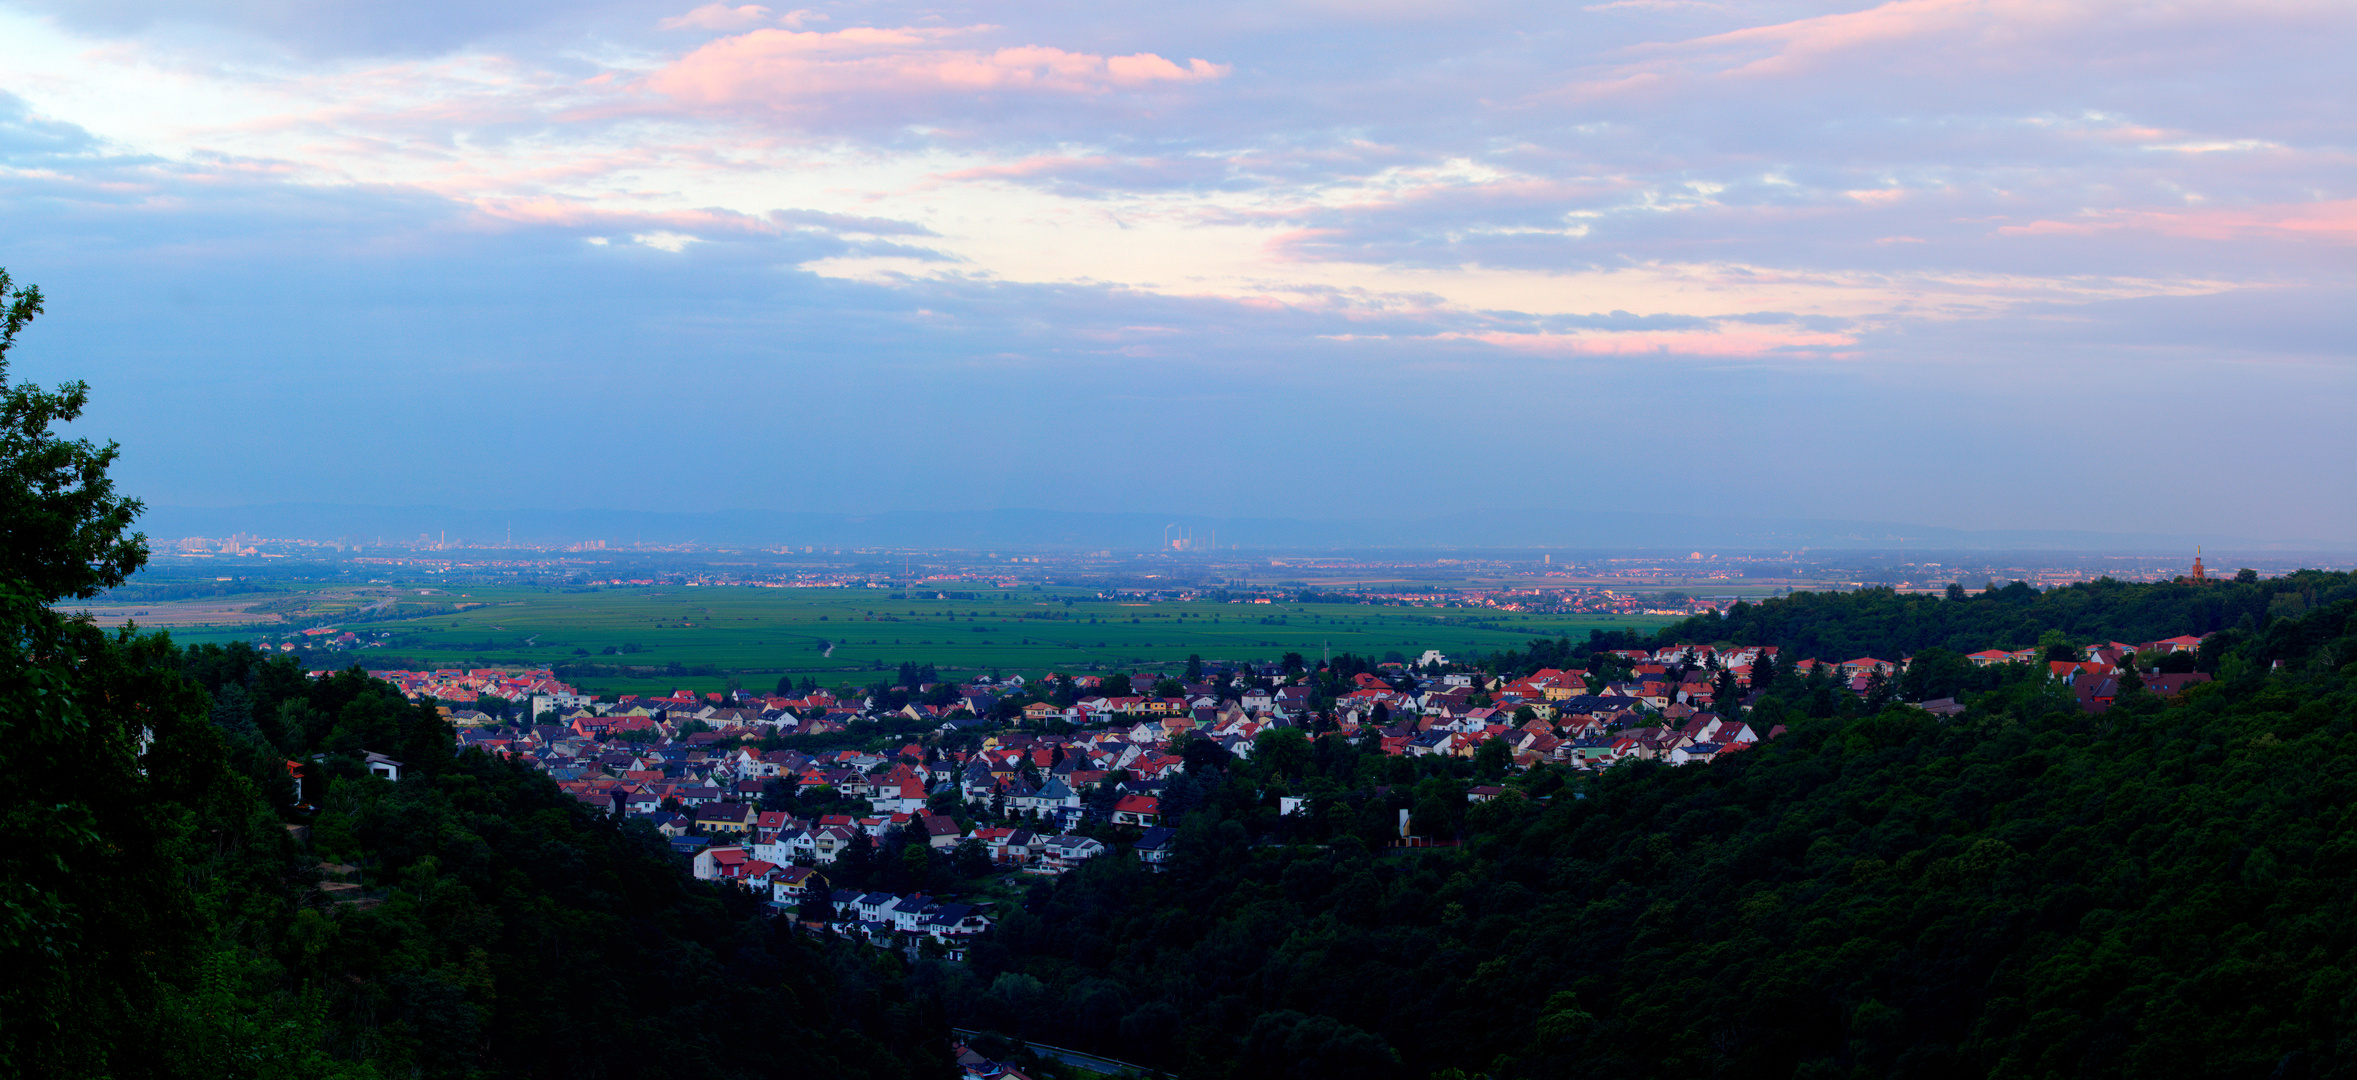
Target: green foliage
x,y
160,916
2024,890
113,777
65,532
1492,757
505,931
1887,624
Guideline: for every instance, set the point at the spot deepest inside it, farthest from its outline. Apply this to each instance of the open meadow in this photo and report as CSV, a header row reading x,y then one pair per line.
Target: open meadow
x,y
757,634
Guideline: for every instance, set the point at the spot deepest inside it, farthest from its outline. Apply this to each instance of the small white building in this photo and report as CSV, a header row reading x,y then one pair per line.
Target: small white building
x,y
1062,853
715,864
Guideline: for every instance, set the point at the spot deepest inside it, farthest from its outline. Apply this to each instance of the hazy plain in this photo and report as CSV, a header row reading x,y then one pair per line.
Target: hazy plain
x,y
838,634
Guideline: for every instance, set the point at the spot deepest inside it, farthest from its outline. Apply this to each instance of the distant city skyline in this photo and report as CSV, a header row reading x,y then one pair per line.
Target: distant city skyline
x,y
1983,266
1076,531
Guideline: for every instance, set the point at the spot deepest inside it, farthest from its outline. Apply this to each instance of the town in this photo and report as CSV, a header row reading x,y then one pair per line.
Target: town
x,y
935,782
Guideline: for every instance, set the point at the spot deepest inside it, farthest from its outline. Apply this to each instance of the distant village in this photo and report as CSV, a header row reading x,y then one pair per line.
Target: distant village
x,y
1043,787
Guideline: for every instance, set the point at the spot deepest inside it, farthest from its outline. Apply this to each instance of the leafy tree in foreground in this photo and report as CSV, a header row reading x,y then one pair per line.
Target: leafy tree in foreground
x,y
107,762
157,918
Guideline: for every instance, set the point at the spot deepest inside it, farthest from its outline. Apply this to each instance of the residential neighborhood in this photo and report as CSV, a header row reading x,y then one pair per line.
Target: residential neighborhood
x,y
1005,779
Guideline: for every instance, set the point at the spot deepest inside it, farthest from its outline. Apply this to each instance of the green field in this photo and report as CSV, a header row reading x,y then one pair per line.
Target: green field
x,y
760,633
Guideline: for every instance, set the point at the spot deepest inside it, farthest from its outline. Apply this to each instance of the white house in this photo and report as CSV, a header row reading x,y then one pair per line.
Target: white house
x,y
713,864
791,844
908,913
829,842
1062,853
949,922
1703,753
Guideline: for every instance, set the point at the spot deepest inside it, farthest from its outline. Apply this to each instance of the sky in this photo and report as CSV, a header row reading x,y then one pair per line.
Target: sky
x,y
1981,264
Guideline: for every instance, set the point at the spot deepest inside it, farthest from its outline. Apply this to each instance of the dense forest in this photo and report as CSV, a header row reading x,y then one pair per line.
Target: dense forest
x,y
2026,890
1881,622
159,917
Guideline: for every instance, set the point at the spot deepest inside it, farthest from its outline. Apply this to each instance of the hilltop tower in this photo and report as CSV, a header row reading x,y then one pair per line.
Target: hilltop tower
x,y
2198,574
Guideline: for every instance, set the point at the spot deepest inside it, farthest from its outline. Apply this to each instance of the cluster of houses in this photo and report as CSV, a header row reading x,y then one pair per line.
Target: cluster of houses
x,y
1119,750
641,758
1557,600
788,860
2096,679
320,639
973,1066
2095,676
462,688
895,921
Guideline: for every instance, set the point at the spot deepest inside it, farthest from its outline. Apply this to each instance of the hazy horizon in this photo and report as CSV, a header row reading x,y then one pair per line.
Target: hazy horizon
x,y
1054,530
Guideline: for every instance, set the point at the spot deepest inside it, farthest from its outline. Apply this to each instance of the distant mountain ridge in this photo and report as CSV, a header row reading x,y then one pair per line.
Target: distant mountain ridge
x,y
1044,530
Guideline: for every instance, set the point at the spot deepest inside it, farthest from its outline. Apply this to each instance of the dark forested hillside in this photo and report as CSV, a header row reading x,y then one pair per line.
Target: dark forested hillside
x,y
497,927
1883,623
502,928
2166,889
159,918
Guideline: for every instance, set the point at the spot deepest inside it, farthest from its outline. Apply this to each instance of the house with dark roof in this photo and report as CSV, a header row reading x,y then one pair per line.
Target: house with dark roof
x,y
869,907
1154,848
791,883
941,831
726,817
956,920
1062,853
1055,794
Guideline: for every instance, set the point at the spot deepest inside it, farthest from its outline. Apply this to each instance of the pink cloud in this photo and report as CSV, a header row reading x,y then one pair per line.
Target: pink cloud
x,y
1790,47
717,17
2333,221
1806,42
788,69
1936,39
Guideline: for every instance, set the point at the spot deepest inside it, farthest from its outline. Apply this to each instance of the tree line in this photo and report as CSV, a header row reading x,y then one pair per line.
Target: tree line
x,y
1889,625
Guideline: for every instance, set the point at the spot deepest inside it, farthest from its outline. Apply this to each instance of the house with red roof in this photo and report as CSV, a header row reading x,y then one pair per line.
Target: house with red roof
x,y
721,864
1138,810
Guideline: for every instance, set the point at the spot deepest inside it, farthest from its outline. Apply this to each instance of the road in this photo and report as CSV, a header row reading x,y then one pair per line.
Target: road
x,y
1091,1062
